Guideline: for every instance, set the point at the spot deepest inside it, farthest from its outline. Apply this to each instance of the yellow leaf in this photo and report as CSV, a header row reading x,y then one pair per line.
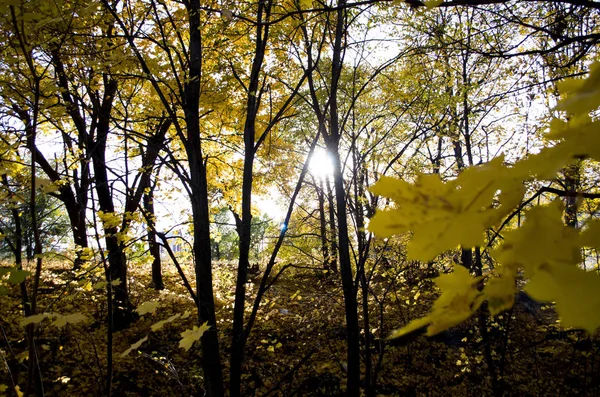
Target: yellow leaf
x,y
134,346
543,165
530,248
432,3
74,318
109,219
575,291
42,182
147,307
192,335
437,212
156,326
457,302
35,319
500,291
590,237
18,391
410,327
584,93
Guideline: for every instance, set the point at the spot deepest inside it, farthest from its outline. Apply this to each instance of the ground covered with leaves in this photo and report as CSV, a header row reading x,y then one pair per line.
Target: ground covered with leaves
x,y
298,346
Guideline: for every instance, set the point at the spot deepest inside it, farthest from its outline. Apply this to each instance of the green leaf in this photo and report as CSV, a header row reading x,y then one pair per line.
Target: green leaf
x,y
17,276
192,335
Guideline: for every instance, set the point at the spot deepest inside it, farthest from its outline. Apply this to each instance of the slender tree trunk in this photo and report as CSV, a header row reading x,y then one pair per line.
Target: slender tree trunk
x,y
363,252
572,177
153,247
350,304
332,229
245,225
123,310
333,141
323,225
211,361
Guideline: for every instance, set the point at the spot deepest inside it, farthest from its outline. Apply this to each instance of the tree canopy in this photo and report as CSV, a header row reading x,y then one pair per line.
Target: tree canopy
x,y
247,178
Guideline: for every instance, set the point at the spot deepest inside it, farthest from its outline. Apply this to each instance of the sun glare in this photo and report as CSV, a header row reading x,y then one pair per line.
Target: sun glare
x,y
320,164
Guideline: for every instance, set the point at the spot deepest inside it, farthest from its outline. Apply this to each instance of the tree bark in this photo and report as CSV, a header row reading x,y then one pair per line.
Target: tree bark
x,y
123,309
245,225
153,246
323,225
211,361
333,140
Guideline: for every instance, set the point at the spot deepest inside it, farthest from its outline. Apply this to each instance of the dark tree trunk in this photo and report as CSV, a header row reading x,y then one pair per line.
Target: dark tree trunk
x,y
333,140
123,310
245,224
350,304
28,246
211,361
75,204
332,229
323,226
572,177
363,251
153,246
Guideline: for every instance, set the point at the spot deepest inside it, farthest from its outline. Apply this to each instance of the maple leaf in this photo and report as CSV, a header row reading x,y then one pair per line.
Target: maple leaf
x,y
134,346
147,307
35,319
590,237
437,212
584,93
158,325
500,291
457,302
17,276
192,335
74,318
575,292
530,248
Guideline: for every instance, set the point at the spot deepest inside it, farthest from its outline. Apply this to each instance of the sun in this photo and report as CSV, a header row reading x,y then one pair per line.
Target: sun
x,y
321,165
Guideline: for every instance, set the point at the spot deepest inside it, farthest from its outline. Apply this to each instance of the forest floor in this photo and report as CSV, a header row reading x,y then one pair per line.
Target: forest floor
x,y
297,347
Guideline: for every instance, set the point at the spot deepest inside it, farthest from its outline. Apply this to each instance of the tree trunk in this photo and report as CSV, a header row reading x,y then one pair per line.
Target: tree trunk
x,y
332,229
123,310
350,304
572,177
333,141
323,225
153,247
238,342
211,361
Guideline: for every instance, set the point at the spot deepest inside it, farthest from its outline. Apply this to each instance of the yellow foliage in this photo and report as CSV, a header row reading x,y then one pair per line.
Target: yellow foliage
x,y
458,300
442,215
192,335
437,212
110,220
